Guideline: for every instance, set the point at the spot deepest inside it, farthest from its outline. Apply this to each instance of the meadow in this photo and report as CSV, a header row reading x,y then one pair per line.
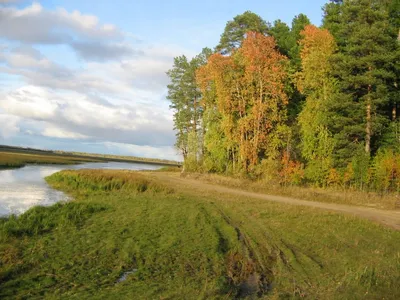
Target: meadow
x,y
127,235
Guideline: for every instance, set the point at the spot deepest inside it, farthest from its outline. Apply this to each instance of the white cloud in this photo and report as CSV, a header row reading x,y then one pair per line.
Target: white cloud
x,y
9,125
88,117
62,134
100,51
167,152
9,1
30,102
114,95
52,27
139,78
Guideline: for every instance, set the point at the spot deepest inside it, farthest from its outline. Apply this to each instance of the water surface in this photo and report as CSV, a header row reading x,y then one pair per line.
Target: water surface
x,y
20,189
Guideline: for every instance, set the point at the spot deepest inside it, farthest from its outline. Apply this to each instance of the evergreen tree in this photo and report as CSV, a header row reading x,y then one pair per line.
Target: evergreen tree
x,y
298,24
364,69
236,30
185,98
281,32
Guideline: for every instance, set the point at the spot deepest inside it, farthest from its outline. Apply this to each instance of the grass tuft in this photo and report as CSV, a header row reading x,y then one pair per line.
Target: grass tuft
x,y
40,220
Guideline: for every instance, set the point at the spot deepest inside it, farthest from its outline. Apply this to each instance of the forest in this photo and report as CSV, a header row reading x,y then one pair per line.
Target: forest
x,y
296,104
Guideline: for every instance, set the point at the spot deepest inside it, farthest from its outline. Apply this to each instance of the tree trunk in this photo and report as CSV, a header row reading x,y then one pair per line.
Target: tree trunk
x,y
368,129
368,125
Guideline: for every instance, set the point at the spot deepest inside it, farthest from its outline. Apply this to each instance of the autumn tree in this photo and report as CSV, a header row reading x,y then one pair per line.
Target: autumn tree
x,y
219,144
249,96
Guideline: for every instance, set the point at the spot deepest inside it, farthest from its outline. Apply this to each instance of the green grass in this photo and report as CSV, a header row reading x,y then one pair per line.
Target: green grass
x,y
17,160
188,245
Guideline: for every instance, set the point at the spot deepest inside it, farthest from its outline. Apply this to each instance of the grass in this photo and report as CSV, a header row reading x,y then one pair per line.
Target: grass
x,y
178,243
330,195
17,160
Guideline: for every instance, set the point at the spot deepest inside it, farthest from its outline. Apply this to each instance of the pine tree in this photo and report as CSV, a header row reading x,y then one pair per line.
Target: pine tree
x,y
235,31
281,32
185,98
364,69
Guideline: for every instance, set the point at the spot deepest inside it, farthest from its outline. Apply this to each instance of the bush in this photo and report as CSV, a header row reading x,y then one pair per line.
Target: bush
x,y
292,171
386,171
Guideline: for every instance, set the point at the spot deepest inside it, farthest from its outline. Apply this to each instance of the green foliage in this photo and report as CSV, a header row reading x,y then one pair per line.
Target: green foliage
x,y
288,44
235,31
283,36
319,157
341,82
368,51
298,24
185,98
360,166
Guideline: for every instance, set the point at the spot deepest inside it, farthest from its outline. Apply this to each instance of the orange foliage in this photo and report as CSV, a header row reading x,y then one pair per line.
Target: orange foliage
x,y
249,94
334,177
292,171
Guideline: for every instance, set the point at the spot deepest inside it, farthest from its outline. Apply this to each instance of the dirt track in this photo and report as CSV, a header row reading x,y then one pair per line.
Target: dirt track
x,y
386,217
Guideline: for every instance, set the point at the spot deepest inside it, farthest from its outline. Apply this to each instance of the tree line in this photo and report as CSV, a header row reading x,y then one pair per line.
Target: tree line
x,y
297,104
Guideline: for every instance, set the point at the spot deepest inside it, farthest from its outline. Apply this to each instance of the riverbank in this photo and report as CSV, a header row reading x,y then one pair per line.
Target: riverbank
x,y
174,242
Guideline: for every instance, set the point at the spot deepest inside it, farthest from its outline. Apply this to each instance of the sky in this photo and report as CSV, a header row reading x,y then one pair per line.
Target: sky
x,y
89,75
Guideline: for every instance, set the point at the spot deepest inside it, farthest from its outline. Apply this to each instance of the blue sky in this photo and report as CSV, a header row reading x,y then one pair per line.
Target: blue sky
x,y
90,75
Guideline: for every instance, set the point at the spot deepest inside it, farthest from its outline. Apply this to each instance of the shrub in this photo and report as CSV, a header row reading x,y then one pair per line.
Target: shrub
x,y
292,171
386,171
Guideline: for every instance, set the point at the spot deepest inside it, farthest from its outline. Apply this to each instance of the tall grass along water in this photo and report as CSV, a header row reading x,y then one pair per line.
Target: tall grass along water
x,y
21,189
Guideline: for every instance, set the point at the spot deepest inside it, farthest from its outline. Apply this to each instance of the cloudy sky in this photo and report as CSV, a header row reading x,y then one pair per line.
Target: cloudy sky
x,y
89,75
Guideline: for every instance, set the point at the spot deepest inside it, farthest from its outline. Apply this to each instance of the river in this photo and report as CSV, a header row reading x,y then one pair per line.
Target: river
x,y
22,188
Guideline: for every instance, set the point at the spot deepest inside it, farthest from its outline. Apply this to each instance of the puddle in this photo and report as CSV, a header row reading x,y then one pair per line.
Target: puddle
x,y
125,275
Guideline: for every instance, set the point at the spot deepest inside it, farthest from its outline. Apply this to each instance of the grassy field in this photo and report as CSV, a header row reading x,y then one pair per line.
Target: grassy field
x,y
169,242
17,160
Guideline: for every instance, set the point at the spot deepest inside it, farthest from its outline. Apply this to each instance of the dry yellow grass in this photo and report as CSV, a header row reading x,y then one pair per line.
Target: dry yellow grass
x,y
329,195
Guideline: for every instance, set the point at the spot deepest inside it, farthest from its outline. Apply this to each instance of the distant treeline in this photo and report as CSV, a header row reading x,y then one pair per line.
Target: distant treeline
x,y
97,157
124,158
299,104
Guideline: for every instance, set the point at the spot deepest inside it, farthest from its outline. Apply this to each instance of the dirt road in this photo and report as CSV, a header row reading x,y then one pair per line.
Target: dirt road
x,y
386,217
